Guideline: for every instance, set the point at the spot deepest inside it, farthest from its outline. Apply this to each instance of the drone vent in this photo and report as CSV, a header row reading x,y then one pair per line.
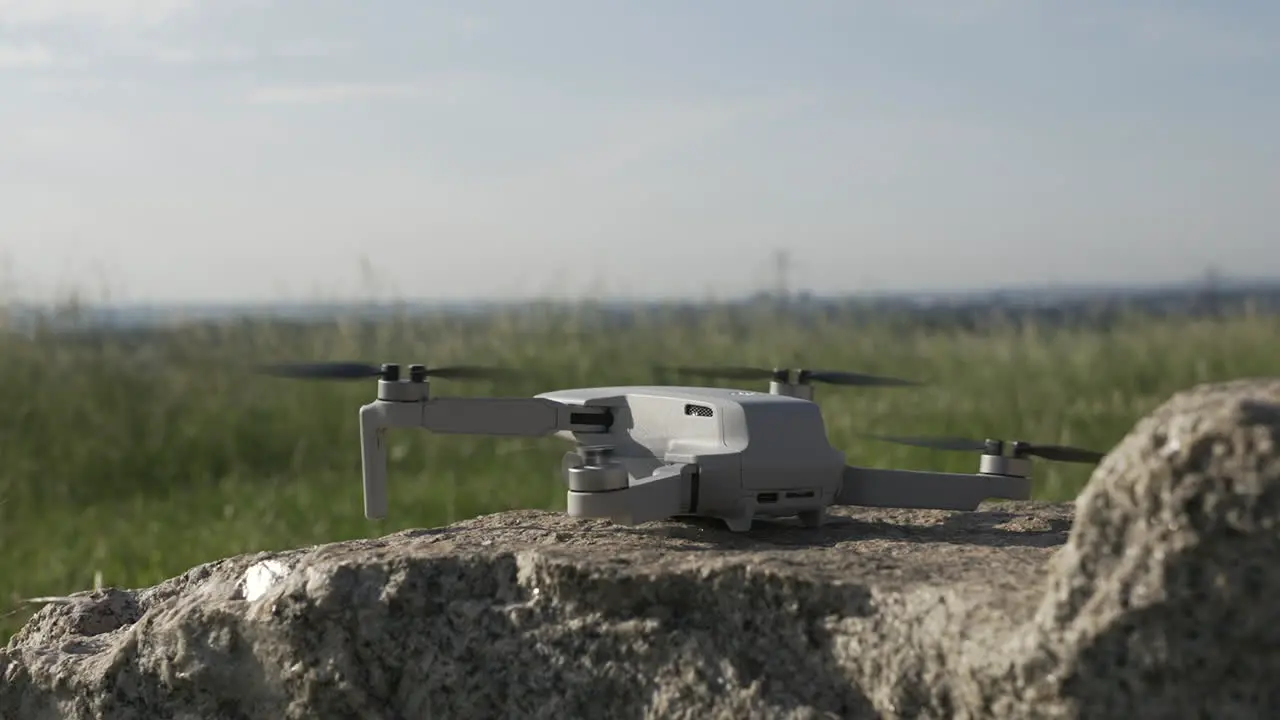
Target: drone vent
x,y
697,410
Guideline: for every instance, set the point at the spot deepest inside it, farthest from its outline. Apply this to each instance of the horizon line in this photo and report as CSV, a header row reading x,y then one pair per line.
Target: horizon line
x,y
1055,290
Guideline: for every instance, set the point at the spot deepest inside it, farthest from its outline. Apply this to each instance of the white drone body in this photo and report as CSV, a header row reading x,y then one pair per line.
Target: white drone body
x,y
645,453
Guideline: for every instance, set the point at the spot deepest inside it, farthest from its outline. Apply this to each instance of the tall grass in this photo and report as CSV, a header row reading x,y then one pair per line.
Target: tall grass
x,y
136,457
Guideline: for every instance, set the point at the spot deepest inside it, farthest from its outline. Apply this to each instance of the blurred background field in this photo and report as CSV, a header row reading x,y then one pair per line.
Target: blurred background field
x,y
131,455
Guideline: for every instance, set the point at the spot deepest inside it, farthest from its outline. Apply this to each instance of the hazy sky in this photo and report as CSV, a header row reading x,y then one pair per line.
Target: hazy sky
x,y
260,149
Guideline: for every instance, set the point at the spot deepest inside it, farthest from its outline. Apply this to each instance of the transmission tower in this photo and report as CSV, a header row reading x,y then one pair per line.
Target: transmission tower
x,y
782,274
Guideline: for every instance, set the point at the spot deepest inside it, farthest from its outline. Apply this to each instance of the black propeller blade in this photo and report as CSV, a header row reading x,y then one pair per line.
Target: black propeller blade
x,y
358,371
470,372
1058,453
837,377
831,377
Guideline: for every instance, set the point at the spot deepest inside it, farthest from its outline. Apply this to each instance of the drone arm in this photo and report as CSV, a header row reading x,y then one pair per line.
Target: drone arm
x,y
519,416
877,487
516,416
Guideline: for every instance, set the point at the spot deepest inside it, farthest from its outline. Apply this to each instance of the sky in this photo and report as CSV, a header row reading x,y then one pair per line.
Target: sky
x,y
262,150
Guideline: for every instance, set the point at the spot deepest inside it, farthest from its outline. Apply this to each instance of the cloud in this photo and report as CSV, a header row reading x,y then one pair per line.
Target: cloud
x,y
445,88
190,55
630,136
194,54
39,56
27,56
110,13
328,93
79,83
87,34
306,49
36,57
114,30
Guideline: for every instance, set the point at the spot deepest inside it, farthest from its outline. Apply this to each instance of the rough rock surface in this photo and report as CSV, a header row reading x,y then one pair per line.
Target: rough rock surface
x,y
1159,602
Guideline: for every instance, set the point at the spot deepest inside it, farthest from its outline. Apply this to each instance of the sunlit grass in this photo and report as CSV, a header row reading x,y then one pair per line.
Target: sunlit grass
x,y
138,458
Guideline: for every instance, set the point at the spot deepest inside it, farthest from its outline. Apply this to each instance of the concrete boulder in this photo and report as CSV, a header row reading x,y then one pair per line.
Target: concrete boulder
x,y
1152,596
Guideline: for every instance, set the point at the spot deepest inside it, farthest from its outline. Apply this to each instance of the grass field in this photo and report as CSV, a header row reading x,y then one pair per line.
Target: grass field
x,y
136,460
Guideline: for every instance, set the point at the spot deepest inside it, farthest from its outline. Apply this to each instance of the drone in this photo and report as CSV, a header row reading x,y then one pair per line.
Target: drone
x,y
644,453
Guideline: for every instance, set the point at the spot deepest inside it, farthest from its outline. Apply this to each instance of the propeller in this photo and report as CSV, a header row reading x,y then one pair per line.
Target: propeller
x,y
358,371
838,377
1058,453
831,377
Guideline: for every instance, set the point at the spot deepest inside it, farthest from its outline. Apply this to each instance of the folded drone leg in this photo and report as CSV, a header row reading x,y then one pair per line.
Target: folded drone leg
x,y
373,460
375,419
656,497
915,489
